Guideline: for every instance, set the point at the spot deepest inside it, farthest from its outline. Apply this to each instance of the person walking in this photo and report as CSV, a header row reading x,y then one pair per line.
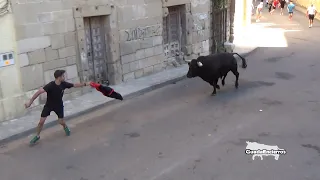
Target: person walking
x,y
311,13
55,90
282,4
252,9
274,6
290,8
259,11
270,5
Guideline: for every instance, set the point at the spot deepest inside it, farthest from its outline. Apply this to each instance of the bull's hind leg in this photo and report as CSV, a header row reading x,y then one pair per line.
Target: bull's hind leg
x,y
215,84
236,73
223,79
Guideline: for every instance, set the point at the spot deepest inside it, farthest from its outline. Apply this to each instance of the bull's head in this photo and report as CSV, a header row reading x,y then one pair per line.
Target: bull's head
x,y
194,68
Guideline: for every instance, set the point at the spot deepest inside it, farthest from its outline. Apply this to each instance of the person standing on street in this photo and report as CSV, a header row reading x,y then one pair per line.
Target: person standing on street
x,y
290,8
259,11
311,13
55,90
282,4
270,2
275,3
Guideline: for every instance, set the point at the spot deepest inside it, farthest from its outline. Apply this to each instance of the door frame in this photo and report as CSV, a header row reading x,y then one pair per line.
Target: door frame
x,y
113,64
219,18
105,68
179,28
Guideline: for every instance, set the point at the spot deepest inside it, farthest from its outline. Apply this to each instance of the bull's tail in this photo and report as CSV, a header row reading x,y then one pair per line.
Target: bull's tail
x,y
244,62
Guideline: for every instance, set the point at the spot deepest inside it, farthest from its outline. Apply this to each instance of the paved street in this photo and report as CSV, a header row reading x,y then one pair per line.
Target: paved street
x,y
180,132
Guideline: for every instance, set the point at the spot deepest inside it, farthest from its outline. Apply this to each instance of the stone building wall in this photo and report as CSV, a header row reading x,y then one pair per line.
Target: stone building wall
x,y
132,38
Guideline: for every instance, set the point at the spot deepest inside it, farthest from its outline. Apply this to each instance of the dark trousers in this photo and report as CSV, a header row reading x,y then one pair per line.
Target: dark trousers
x,y
270,6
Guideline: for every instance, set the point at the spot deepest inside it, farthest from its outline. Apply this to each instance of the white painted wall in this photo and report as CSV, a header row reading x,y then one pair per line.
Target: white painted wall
x,y
11,102
242,17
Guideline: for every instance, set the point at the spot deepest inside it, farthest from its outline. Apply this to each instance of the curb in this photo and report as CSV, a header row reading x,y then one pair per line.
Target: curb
x,y
111,102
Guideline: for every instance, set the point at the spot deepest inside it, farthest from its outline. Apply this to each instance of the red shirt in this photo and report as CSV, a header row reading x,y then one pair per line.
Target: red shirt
x,y
275,3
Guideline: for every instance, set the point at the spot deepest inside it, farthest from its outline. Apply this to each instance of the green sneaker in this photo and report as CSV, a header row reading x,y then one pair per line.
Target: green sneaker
x,y
67,130
34,140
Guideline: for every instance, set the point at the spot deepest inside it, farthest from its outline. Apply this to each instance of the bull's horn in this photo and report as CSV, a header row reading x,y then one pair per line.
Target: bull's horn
x,y
199,64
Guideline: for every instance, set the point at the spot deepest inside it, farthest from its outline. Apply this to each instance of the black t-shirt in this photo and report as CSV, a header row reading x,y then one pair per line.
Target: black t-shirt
x,y
55,93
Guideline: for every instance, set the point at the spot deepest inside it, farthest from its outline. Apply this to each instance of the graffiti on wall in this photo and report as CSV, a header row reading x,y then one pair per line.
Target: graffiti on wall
x,y
143,32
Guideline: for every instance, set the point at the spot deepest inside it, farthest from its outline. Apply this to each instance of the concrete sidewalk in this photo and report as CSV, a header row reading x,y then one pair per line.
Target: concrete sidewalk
x,y
24,126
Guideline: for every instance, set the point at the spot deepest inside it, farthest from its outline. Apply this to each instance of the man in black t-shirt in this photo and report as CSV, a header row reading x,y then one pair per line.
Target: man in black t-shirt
x,y
54,90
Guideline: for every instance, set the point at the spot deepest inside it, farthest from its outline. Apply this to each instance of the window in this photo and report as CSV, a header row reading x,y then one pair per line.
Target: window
x,y
4,57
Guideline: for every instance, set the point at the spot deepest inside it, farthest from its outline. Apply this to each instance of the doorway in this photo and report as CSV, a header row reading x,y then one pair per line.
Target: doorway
x,y
219,25
95,36
172,33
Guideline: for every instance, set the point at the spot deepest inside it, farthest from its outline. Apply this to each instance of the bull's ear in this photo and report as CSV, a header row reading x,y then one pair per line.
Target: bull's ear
x,y
199,64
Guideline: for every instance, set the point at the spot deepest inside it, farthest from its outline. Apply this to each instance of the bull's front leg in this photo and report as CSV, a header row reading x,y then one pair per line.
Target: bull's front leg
x,y
215,83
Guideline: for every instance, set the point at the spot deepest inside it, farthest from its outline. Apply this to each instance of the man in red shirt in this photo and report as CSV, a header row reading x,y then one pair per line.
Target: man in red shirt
x,y
274,5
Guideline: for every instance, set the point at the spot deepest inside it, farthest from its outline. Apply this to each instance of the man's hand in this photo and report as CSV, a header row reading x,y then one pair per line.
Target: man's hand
x,y
27,105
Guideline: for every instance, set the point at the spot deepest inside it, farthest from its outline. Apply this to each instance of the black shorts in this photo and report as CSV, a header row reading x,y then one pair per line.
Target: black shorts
x,y
282,4
58,110
274,7
290,13
311,16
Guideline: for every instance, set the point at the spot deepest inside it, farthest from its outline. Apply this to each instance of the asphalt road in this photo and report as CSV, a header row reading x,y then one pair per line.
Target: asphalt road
x,y
180,132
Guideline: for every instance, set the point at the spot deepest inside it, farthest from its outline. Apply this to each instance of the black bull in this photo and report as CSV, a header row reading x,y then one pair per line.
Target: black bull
x,y
212,67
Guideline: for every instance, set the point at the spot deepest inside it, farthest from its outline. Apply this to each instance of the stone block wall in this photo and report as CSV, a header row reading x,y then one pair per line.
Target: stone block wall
x,y
307,3
200,14
46,41
50,35
141,49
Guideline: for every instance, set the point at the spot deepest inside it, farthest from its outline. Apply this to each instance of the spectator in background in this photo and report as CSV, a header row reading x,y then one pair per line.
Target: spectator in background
x,y
274,6
270,5
259,11
282,4
311,13
290,8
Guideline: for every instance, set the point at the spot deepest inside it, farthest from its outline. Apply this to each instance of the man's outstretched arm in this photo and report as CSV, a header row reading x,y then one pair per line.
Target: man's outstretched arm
x,y
34,97
77,85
